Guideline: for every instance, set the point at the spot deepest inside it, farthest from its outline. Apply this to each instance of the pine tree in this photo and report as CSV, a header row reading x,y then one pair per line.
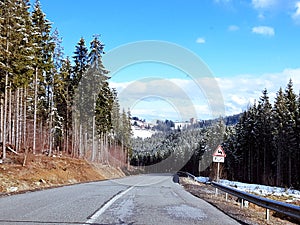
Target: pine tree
x,y
264,138
94,96
115,115
23,73
297,153
290,127
126,135
279,135
15,65
55,83
6,58
246,146
79,69
64,94
95,55
80,60
43,65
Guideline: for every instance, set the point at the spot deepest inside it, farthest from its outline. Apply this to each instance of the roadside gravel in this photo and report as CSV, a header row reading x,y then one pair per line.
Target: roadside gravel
x,y
252,215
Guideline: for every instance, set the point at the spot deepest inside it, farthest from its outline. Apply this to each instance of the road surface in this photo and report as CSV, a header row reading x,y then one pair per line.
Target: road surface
x,y
144,199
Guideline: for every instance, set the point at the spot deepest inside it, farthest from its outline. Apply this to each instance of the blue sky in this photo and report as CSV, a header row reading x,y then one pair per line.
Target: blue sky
x,y
248,45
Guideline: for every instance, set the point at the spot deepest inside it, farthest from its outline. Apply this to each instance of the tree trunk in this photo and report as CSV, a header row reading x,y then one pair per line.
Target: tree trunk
x,y
51,135
1,119
74,138
9,122
24,119
35,110
4,118
93,140
278,168
80,140
66,141
17,119
290,169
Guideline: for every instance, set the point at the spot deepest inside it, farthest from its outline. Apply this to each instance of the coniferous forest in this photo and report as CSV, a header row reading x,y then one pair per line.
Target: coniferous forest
x,y
262,147
48,103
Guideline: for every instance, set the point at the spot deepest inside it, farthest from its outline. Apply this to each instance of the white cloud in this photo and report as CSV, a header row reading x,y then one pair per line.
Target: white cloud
x,y
264,30
120,86
200,40
222,1
186,96
265,8
263,4
233,28
239,100
296,14
261,16
240,91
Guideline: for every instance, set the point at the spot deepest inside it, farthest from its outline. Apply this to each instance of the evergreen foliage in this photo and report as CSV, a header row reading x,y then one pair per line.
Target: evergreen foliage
x,y
39,87
264,145
49,103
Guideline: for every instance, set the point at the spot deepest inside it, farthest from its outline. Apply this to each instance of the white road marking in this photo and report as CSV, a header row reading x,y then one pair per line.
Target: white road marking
x,y
98,213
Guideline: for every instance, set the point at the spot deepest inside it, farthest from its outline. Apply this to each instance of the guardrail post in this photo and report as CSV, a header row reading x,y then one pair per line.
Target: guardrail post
x,y
244,198
267,214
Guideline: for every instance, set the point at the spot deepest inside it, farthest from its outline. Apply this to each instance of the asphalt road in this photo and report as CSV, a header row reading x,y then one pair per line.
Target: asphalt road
x,y
145,199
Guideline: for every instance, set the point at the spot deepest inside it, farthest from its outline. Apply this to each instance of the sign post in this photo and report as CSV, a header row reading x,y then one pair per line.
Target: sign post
x,y
219,157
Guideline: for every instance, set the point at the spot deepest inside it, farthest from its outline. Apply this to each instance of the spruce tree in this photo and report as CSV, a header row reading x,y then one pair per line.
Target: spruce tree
x,y
93,96
264,138
79,70
15,55
43,65
297,157
279,135
81,61
290,128
64,94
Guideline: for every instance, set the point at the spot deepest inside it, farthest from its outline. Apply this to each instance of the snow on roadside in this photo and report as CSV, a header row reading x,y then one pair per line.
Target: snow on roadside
x,y
202,179
258,189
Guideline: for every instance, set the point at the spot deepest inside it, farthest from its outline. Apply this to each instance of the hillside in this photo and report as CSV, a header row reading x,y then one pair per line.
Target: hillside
x,y
41,171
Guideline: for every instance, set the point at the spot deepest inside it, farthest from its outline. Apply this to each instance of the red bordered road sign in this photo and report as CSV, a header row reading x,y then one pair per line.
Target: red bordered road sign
x,y
219,152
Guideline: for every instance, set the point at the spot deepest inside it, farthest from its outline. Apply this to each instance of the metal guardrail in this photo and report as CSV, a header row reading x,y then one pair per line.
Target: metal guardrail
x,y
186,174
281,207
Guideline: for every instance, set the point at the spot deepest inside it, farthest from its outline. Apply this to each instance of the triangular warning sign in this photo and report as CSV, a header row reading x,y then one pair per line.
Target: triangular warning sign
x,y
219,152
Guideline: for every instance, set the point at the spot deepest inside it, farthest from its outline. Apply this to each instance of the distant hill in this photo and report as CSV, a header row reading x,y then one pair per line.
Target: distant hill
x,y
228,120
142,128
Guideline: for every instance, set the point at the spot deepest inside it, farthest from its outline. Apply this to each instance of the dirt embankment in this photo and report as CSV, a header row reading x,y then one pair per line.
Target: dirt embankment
x,y
40,171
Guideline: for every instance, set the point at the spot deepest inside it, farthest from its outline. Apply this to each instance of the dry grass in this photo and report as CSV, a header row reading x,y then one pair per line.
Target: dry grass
x,y
41,171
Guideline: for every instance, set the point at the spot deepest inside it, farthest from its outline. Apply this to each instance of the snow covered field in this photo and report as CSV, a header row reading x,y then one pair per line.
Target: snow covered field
x,y
142,133
258,189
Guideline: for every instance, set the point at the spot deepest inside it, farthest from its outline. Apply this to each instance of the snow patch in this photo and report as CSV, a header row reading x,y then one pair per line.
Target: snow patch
x,y
262,190
142,133
202,179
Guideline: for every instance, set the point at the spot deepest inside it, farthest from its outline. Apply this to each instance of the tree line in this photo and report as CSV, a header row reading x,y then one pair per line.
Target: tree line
x,y
49,102
263,146
188,149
